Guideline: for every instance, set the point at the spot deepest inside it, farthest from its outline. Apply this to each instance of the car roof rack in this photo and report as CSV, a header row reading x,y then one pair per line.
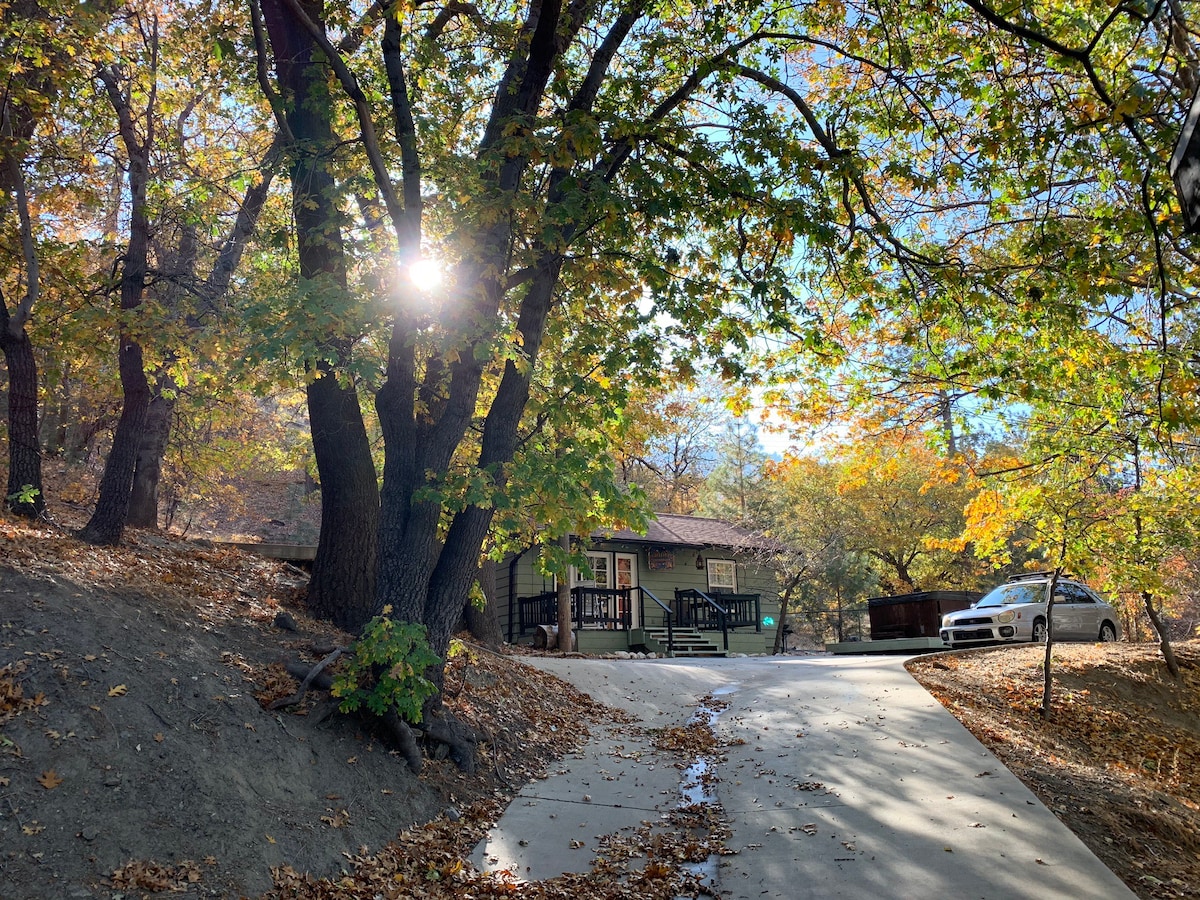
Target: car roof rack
x,y
1030,576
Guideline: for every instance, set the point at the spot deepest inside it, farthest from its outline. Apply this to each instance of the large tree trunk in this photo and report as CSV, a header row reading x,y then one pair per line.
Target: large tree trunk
x,y
343,581
112,508
24,494
109,518
342,587
24,450
147,473
484,624
425,419
152,447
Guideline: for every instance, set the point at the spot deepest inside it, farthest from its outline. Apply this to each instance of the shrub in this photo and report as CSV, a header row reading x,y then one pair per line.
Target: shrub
x,y
385,669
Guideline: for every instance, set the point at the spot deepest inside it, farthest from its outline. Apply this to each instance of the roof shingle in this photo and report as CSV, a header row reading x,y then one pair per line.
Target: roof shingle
x,y
670,530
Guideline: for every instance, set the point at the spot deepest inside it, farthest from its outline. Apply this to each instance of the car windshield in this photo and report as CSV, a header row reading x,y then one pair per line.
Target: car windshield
x,y
1019,592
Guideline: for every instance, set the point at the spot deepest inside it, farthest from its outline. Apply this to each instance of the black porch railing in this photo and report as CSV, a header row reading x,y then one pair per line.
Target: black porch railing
x,y
703,611
667,615
695,609
591,608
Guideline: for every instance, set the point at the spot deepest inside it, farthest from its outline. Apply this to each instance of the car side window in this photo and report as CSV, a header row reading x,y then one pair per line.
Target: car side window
x,y
1073,593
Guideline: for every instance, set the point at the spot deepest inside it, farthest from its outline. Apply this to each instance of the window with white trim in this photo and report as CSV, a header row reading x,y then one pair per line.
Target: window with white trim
x,y
599,564
722,575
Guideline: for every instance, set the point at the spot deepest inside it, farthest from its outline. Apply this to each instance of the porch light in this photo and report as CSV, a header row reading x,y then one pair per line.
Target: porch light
x,y
699,561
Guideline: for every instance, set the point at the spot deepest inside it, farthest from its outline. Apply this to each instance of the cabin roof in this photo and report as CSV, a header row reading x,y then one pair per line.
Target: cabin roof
x,y
670,530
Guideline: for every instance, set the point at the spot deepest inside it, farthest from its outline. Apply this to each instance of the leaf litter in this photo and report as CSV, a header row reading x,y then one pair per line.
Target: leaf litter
x,y
180,633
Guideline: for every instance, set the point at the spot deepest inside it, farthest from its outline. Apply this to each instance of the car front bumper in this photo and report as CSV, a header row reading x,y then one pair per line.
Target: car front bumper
x,y
994,633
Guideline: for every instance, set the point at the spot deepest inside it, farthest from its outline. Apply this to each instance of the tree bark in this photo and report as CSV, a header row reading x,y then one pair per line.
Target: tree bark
x,y
566,635
152,448
108,520
24,450
1047,674
343,582
1164,642
342,587
484,624
785,600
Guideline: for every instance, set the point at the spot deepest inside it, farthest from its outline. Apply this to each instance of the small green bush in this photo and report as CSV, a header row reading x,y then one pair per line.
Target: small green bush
x,y
385,669
26,495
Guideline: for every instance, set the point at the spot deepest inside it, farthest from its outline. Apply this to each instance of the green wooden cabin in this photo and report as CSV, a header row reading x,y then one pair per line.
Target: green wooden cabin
x,y
689,586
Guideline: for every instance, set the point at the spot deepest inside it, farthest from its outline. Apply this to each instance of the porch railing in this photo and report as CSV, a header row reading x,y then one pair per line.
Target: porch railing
x,y
592,608
700,609
695,609
668,615
612,609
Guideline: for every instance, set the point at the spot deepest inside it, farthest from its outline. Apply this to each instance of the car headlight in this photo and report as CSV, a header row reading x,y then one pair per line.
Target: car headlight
x,y
945,621
1006,617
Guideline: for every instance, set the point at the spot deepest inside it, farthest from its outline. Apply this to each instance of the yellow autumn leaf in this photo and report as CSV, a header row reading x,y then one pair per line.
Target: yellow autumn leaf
x,y
118,691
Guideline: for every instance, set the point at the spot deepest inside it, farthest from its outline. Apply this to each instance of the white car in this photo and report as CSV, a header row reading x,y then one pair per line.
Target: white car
x,y
1016,611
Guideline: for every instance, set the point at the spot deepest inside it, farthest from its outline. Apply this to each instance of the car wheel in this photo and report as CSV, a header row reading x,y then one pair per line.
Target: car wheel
x,y
1108,634
1039,631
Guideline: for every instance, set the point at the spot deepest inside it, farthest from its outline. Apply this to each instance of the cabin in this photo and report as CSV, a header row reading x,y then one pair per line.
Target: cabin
x,y
690,586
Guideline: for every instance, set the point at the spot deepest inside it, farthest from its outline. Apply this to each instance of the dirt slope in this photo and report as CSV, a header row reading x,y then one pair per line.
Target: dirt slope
x,y
134,754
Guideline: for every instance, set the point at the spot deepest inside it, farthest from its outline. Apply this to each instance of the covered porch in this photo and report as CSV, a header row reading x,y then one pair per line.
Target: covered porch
x,y
688,622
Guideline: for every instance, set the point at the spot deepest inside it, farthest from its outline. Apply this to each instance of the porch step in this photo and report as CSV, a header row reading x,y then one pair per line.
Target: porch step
x,y
687,642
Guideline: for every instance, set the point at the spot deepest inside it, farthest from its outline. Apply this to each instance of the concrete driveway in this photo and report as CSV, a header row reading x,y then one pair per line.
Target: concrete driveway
x,y
852,782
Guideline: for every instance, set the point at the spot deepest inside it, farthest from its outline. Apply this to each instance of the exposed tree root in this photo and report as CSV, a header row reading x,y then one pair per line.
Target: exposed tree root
x,y
406,741
438,727
308,680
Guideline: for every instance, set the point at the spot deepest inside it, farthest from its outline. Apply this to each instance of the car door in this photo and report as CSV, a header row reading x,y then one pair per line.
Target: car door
x,y
1091,612
1070,612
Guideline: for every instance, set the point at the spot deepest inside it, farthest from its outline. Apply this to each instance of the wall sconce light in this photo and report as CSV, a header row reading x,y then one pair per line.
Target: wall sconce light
x,y
699,561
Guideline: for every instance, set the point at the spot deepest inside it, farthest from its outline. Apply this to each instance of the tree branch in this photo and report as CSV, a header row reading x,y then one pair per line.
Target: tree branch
x,y
264,77
366,126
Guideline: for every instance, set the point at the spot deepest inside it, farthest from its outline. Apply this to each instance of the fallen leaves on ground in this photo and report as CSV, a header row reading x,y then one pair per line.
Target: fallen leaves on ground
x,y
148,875
12,696
525,719
650,862
218,582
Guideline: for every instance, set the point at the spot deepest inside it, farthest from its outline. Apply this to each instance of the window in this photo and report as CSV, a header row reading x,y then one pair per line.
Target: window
x,y
626,570
722,575
598,563
1065,592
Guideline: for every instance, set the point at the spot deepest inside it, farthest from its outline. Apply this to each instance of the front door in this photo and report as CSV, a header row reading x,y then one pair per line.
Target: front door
x,y
627,577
